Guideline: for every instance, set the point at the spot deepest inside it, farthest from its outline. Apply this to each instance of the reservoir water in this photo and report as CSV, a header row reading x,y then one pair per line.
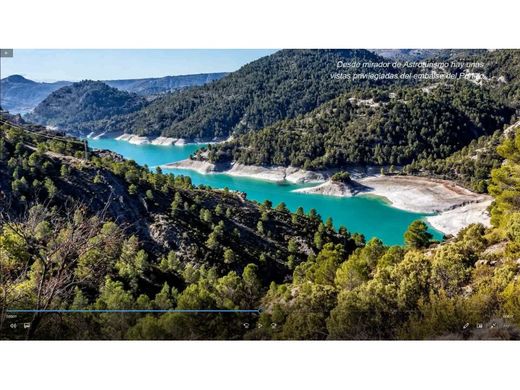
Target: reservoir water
x,y
368,215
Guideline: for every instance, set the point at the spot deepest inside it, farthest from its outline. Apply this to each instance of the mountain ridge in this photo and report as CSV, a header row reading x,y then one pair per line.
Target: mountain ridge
x,y
73,107
282,85
21,95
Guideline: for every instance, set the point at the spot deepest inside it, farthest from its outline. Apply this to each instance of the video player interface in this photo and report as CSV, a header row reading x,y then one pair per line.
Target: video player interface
x,y
295,194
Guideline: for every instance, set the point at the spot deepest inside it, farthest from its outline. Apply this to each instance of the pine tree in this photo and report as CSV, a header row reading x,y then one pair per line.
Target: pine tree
x,y
417,235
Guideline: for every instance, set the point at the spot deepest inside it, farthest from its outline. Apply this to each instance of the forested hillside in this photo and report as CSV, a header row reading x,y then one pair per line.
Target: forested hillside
x,y
103,233
276,90
279,86
114,225
470,167
424,128
376,127
73,107
465,288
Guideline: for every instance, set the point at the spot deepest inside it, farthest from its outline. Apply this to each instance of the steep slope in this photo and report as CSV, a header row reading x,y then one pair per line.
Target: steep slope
x,y
105,181
74,107
466,288
279,86
470,166
70,238
197,230
374,128
502,68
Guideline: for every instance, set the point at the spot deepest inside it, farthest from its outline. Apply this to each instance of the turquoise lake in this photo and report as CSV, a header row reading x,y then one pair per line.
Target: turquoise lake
x,y
368,215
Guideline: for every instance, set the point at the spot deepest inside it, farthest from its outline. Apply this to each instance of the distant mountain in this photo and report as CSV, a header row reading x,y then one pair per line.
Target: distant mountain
x,y
426,54
20,95
73,107
154,86
280,86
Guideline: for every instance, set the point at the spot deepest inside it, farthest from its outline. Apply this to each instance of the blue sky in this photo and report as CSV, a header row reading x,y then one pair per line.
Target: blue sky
x,y
108,64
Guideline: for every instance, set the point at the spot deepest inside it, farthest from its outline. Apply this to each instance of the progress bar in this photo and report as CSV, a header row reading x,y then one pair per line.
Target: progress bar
x,y
256,311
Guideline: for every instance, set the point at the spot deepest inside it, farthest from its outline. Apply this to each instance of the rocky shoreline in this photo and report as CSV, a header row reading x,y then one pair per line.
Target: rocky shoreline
x,y
455,207
451,221
276,174
160,141
142,140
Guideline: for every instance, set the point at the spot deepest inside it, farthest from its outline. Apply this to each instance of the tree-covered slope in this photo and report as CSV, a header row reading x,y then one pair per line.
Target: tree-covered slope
x,y
470,166
279,86
466,288
117,223
73,107
502,68
69,238
376,127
